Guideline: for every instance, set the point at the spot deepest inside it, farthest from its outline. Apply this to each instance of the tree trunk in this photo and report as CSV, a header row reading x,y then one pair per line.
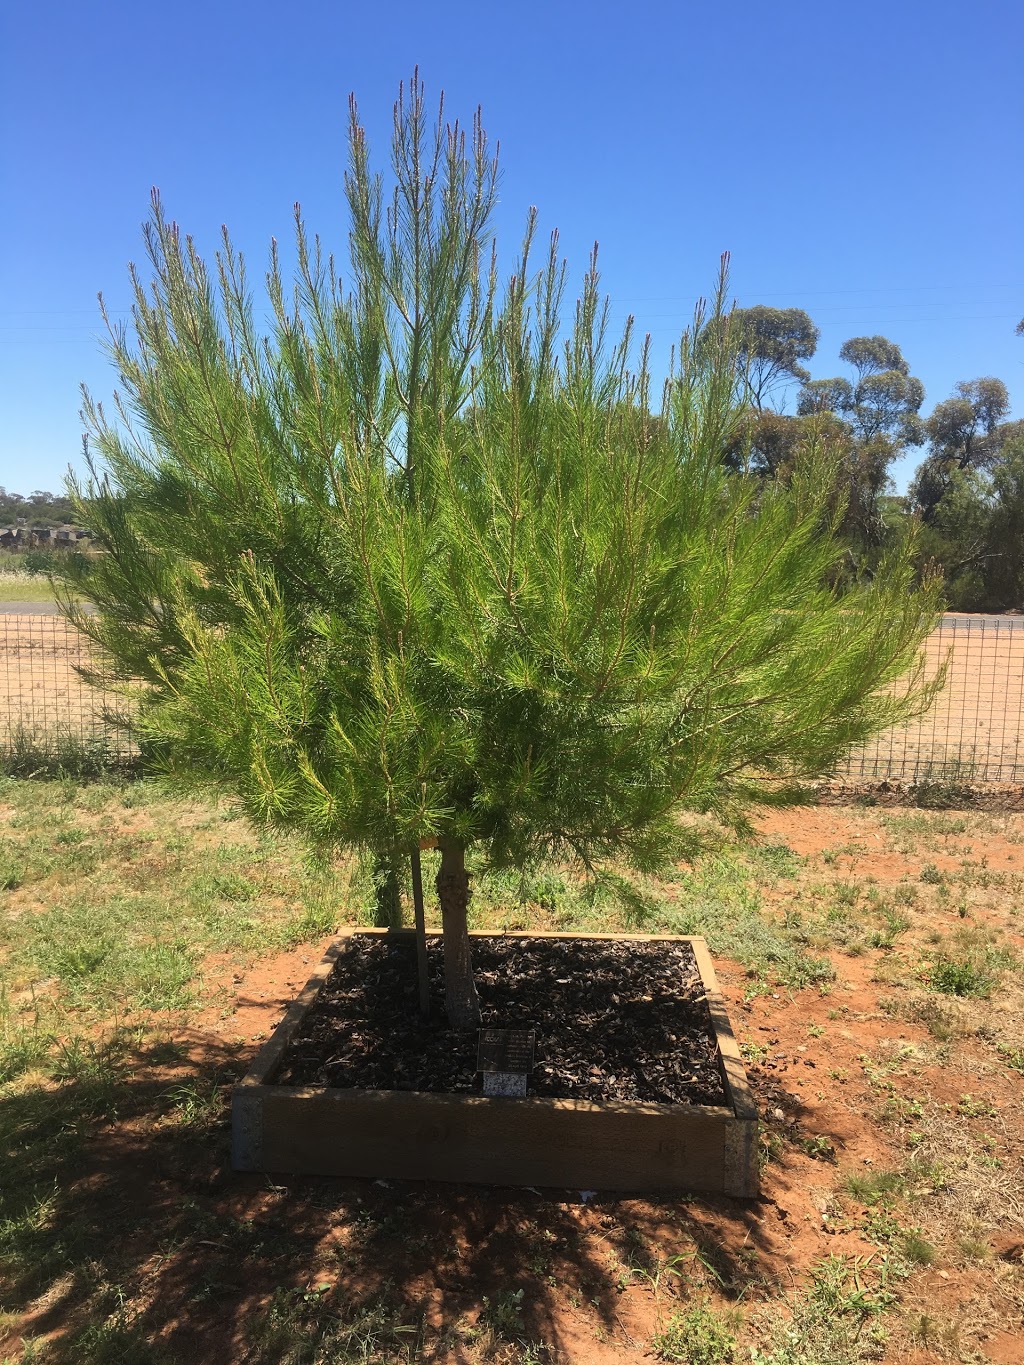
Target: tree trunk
x,y
461,1003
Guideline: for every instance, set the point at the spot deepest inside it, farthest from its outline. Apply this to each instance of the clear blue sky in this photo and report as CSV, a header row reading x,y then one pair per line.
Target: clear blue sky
x,y
861,162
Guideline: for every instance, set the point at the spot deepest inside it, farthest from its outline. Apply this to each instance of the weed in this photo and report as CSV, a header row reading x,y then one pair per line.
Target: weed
x,y
504,1314
300,1326
836,1320
196,1106
818,1147
778,860
770,1145
895,925
969,1107
117,1340
697,1337
974,1248
960,976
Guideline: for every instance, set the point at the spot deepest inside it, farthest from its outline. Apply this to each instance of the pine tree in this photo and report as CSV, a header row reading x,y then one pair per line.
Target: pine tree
x,y
420,563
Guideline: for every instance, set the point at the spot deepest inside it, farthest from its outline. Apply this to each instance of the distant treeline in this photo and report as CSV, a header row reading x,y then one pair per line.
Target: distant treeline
x,y
35,509
966,500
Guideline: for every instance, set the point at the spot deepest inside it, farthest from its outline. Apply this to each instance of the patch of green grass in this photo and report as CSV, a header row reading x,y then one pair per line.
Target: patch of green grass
x,y
917,1250
777,860
873,1187
970,962
718,898
24,587
925,826
697,1336
24,1045
308,1326
837,1320
122,909
119,1339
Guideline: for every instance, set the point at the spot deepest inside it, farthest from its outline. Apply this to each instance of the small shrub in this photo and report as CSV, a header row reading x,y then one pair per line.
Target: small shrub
x,y
37,562
949,788
818,1148
941,1021
504,1314
61,754
895,925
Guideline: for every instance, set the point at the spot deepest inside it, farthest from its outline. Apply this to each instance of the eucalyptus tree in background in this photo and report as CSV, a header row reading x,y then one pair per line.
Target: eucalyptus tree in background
x,y
419,563
963,433
968,493
770,344
882,401
879,408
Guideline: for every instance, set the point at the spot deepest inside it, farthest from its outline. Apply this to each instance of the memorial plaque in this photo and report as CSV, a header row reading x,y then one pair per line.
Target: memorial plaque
x,y
505,1056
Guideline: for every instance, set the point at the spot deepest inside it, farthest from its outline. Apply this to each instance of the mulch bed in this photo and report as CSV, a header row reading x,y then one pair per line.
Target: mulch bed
x,y
614,1021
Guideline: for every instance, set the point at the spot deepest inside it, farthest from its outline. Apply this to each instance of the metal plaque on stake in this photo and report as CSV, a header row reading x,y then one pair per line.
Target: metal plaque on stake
x,y
505,1056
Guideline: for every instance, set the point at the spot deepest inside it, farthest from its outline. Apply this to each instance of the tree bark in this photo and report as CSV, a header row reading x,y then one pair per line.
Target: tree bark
x,y
461,1003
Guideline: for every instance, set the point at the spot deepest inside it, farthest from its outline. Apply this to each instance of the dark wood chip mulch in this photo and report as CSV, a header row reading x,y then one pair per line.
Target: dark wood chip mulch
x,y
614,1021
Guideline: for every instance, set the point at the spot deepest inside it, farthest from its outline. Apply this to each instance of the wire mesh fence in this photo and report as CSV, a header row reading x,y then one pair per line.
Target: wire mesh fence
x,y
46,707
974,731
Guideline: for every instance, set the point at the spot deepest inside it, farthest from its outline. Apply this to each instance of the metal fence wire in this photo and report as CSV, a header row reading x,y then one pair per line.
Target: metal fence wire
x,y
45,705
973,732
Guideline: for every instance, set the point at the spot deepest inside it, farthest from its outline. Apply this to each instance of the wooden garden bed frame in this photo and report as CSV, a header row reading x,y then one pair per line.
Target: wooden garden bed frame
x,y
415,1135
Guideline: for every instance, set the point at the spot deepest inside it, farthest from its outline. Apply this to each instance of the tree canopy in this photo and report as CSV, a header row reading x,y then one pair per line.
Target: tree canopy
x,y
423,561
770,344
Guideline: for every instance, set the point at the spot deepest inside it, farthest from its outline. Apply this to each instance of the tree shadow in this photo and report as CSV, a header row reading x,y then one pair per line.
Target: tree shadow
x,y
125,1235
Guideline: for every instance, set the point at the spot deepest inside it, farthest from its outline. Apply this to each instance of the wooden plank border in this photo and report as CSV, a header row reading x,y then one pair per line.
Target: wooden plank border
x,y
537,1141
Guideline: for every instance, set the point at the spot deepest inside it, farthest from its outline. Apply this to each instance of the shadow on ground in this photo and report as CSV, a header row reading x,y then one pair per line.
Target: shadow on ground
x,y
125,1236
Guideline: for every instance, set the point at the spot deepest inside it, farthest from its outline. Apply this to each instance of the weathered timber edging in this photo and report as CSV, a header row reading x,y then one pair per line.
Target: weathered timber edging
x,y
414,1135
